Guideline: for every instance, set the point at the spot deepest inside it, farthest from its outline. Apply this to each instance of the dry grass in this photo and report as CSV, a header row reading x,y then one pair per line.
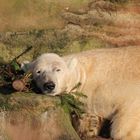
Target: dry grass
x,y
26,15
18,15
125,30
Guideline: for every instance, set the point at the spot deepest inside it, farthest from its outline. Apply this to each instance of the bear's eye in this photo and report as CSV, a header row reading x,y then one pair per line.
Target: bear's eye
x,y
58,70
38,71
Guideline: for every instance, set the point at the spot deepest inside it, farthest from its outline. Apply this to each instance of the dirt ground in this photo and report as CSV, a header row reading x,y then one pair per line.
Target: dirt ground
x,y
116,24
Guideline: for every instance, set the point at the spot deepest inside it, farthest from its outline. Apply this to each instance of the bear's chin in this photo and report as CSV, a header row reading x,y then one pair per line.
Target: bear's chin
x,y
49,93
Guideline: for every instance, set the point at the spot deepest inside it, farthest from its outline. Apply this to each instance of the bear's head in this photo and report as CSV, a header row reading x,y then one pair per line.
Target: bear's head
x,y
51,72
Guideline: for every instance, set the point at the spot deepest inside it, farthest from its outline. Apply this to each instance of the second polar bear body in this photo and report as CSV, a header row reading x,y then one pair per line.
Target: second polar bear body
x,y
111,80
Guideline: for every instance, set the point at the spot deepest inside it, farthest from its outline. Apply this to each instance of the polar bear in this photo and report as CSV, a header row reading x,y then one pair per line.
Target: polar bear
x,y
109,77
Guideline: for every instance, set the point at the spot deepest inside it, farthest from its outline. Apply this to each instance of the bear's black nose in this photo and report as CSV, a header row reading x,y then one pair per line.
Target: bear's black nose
x,y
49,86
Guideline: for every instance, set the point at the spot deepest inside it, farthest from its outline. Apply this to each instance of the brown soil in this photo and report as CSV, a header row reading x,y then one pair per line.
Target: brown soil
x,y
118,27
126,28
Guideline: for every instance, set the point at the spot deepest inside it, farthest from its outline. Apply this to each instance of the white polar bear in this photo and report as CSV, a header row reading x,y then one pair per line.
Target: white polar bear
x,y
109,77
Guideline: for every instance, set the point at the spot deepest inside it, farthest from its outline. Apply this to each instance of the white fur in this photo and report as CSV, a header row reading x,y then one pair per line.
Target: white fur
x,y
111,80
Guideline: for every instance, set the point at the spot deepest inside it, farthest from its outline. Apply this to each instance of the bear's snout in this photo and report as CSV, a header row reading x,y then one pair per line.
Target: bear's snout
x,y
49,86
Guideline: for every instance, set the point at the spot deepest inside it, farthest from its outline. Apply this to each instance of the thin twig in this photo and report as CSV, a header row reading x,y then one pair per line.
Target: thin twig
x,y
28,49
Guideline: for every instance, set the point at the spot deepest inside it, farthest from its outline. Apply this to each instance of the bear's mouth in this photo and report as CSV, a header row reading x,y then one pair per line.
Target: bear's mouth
x,y
48,92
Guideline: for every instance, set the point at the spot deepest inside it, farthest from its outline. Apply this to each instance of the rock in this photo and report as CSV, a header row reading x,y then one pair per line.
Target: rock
x,y
28,116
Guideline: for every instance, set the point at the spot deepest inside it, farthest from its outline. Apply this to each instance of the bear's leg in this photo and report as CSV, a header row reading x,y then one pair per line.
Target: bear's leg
x,y
126,125
90,125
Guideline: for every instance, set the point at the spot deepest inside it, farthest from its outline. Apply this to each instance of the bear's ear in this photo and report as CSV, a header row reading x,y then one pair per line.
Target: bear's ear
x,y
72,63
27,66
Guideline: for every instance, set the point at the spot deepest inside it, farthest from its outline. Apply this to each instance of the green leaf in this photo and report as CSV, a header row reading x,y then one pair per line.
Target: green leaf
x,y
79,94
72,104
15,65
66,108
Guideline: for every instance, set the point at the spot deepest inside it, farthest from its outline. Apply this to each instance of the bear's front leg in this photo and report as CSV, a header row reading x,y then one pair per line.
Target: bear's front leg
x,y
89,126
